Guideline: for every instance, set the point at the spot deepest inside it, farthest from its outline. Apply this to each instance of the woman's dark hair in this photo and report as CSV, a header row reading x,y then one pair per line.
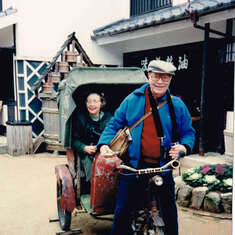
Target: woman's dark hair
x,y
102,98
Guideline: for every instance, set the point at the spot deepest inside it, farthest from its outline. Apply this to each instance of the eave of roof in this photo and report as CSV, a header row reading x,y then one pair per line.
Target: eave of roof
x,y
7,12
163,16
8,18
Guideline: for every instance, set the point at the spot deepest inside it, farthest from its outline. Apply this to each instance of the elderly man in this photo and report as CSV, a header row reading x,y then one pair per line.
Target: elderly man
x,y
156,140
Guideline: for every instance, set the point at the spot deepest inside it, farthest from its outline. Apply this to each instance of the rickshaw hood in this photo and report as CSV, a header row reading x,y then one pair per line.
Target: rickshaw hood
x,y
89,75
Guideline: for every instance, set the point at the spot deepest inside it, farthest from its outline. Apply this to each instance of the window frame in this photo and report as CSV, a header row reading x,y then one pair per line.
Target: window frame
x,y
140,7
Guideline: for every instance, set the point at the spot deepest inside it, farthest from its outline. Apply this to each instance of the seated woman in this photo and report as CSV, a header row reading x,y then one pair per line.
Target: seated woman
x,y
87,128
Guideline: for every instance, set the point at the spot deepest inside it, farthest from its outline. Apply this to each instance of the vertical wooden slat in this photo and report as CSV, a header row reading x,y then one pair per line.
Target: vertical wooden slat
x,y
19,139
139,7
149,5
131,7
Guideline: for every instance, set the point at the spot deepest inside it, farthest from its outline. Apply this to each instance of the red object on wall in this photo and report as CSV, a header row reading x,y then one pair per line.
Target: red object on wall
x,y
104,184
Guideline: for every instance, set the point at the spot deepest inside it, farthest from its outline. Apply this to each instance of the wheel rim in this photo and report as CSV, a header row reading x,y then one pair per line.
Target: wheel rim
x,y
64,215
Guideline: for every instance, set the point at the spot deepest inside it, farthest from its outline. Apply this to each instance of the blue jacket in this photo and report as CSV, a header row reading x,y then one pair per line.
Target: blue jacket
x,y
132,109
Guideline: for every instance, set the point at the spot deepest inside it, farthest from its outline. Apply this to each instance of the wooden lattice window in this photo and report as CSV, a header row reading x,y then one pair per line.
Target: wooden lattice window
x,y
139,7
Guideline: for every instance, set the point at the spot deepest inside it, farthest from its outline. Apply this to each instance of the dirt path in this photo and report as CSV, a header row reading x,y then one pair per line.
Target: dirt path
x,y
28,200
28,194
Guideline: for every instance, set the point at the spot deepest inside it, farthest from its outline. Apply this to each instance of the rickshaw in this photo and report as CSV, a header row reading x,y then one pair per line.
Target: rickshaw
x,y
116,83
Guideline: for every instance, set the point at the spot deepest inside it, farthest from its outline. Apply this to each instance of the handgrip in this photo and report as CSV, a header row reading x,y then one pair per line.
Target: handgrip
x,y
175,163
180,155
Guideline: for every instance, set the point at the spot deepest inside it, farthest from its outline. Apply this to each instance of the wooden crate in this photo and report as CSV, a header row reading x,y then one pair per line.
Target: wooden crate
x,y
51,123
19,138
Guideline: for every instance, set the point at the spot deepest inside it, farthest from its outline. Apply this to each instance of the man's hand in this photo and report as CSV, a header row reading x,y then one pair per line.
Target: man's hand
x,y
90,149
106,151
175,149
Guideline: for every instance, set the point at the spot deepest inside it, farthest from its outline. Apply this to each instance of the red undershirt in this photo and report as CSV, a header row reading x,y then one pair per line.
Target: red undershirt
x,y
150,142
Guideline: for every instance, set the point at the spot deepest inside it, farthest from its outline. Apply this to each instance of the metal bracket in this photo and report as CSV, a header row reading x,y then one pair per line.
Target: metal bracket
x,y
194,17
195,25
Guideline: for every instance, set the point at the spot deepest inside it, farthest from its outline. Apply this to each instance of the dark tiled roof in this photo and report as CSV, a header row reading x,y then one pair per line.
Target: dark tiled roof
x,y
202,7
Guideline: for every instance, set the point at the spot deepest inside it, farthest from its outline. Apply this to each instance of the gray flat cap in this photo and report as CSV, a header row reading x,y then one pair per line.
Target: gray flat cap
x,y
160,66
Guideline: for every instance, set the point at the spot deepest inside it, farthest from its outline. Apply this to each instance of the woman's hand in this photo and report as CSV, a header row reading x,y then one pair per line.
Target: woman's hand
x,y
175,149
90,149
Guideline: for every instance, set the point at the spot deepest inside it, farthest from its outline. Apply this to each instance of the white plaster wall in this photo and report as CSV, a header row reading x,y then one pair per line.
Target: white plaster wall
x,y
44,25
110,12
7,4
10,18
178,2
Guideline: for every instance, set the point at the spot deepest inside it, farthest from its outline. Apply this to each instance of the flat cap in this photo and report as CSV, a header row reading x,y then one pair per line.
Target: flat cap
x,y
160,66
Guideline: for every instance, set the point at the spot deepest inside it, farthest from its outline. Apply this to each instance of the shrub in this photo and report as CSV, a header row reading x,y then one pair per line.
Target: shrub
x,y
216,177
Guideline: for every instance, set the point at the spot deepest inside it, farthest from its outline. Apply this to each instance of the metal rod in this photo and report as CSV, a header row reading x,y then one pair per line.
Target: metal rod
x,y
229,40
210,30
202,104
174,163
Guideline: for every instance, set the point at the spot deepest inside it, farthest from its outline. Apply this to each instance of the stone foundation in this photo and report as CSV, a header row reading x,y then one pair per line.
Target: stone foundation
x,y
201,198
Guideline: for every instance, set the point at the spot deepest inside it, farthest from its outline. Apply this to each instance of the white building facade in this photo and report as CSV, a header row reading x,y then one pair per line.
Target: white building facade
x,y
32,32
121,33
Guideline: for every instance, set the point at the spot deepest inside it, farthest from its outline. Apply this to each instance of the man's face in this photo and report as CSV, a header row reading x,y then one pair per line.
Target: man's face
x,y
159,82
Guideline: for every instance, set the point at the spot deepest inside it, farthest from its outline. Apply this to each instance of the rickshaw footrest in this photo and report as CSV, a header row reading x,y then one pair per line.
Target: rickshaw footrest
x,y
53,220
71,232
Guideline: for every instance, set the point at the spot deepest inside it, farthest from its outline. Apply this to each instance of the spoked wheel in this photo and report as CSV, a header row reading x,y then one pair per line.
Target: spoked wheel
x,y
140,223
143,224
64,215
160,231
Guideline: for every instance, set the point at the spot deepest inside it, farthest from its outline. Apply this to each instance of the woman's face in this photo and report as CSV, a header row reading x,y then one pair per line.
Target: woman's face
x,y
93,104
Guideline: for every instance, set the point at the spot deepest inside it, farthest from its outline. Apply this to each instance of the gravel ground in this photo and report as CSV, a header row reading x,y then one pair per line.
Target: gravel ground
x,y
28,200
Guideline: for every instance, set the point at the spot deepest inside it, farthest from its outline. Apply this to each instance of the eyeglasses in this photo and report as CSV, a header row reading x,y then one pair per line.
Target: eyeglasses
x,y
163,77
93,101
